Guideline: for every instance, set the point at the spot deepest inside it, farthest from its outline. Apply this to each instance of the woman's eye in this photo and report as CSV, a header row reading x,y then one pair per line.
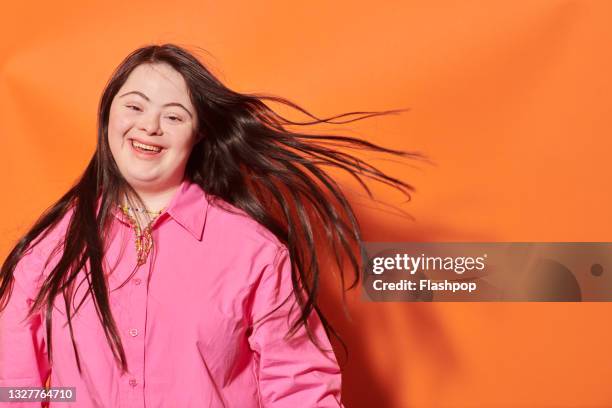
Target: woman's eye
x,y
171,117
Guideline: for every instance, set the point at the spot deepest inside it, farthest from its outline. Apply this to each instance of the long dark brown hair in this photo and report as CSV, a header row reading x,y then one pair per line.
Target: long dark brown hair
x,y
247,157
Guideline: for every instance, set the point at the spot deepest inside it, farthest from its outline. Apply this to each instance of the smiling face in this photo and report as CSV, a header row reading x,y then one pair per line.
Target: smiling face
x,y
152,127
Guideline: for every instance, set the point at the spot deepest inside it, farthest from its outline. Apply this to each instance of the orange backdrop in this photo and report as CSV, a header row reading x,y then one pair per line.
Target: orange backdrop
x,y
509,99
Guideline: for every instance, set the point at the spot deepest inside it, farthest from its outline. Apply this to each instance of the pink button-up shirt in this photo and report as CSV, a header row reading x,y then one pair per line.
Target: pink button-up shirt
x,y
185,318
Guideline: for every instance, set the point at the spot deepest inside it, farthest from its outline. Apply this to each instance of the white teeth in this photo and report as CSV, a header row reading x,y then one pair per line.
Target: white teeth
x,y
146,147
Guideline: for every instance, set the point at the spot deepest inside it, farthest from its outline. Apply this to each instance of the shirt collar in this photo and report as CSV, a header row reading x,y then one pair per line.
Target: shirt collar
x,y
188,207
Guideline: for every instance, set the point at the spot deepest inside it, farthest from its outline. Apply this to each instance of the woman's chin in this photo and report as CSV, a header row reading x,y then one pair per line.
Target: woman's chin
x,y
142,180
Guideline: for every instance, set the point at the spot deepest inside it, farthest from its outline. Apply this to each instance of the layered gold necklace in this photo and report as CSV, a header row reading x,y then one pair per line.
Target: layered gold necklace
x,y
144,240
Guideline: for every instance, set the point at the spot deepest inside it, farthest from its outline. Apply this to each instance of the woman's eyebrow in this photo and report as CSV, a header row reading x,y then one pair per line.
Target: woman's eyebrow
x,y
149,100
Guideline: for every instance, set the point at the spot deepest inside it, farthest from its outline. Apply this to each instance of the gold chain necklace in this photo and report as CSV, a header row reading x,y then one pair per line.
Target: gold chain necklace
x,y
144,240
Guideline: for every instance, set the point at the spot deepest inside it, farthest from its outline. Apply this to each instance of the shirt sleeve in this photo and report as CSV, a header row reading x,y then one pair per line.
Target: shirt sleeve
x,y
291,373
23,353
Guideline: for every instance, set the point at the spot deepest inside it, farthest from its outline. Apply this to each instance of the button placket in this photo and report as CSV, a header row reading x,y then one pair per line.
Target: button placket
x,y
134,320
135,327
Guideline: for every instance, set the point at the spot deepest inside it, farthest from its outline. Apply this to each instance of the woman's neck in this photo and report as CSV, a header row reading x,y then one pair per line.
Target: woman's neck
x,y
157,200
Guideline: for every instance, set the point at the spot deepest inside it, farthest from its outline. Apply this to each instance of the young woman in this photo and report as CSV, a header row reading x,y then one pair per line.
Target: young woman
x,y
182,269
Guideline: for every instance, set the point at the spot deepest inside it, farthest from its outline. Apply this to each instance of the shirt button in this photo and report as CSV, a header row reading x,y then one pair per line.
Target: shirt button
x,y
137,281
133,382
133,332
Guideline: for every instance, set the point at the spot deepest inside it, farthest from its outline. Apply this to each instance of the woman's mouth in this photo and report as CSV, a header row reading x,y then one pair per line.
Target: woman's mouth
x,y
145,149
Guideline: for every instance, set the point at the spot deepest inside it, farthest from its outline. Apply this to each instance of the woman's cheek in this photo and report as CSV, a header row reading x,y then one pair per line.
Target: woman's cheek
x,y
120,126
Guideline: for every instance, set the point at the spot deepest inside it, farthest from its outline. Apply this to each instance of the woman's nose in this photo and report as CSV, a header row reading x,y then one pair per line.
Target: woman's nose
x,y
150,123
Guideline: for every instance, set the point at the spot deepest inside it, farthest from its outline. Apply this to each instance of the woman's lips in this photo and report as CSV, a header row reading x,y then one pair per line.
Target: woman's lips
x,y
144,153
